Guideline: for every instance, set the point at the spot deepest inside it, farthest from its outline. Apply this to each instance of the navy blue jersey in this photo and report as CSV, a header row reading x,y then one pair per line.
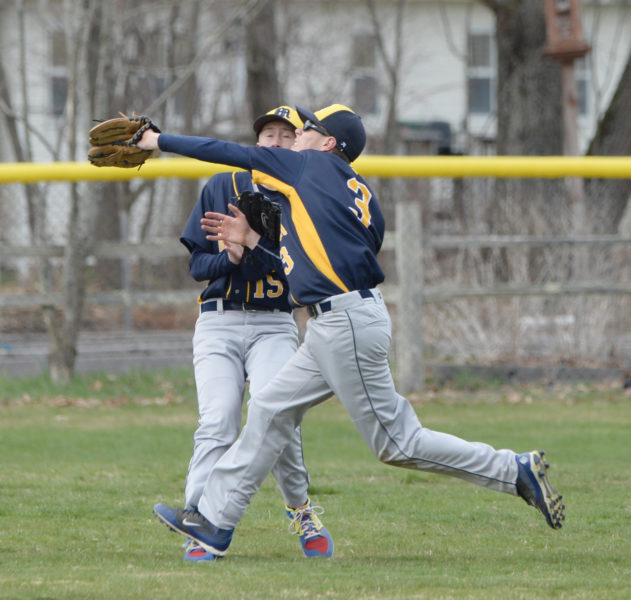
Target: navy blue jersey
x,y
255,281
332,225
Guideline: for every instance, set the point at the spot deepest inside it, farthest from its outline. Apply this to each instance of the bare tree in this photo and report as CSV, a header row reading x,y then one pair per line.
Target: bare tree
x,y
528,84
528,92
391,58
63,323
181,49
102,100
261,54
390,51
612,138
106,65
132,61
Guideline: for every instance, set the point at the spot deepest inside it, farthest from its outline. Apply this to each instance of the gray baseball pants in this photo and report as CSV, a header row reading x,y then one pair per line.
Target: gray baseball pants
x,y
344,353
229,346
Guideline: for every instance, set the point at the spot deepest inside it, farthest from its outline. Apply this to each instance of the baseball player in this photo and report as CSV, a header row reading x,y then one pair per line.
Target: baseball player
x,y
332,230
245,329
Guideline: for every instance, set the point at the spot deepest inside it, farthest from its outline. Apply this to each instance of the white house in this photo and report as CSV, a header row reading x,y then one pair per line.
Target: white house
x,y
328,52
446,75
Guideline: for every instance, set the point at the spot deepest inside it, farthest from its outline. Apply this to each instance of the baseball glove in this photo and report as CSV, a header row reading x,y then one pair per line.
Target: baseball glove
x,y
114,142
262,214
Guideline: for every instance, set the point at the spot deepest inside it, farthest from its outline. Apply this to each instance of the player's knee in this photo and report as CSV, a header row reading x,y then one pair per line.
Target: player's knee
x,y
210,433
388,455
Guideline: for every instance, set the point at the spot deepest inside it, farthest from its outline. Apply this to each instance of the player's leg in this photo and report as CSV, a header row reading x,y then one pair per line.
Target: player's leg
x,y
273,339
273,415
219,378
351,347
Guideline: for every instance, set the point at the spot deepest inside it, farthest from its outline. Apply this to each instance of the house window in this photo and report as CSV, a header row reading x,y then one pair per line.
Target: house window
x,y
365,94
581,72
481,73
365,87
364,51
58,73
59,92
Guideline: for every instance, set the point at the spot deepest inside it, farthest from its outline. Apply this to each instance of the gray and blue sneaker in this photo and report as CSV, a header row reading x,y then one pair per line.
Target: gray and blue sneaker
x,y
314,537
535,488
192,524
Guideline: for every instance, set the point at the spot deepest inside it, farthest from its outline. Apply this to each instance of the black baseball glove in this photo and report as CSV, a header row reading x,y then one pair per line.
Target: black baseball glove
x,y
114,142
262,214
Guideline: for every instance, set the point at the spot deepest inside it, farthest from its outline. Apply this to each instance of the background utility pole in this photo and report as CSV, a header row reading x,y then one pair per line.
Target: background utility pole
x,y
566,44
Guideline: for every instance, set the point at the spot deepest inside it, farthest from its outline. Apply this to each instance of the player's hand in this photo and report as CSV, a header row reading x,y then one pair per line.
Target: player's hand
x,y
234,251
226,228
149,140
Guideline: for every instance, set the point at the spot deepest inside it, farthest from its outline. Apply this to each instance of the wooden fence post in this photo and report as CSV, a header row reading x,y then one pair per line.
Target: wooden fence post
x,y
409,260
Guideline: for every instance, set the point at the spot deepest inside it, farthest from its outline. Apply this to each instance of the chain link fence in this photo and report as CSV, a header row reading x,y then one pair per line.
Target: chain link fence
x,y
136,271
511,269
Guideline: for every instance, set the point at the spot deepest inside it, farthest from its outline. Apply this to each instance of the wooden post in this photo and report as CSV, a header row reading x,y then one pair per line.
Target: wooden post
x,y
565,45
409,260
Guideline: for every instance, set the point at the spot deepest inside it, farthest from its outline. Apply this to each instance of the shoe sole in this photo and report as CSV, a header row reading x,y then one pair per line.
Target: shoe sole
x,y
172,527
551,506
316,553
208,557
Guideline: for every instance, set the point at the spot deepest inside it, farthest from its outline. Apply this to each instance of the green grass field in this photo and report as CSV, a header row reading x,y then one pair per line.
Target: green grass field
x,y
83,466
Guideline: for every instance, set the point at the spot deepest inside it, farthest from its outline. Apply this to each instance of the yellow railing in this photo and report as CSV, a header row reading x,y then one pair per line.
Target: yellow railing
x,y
606,167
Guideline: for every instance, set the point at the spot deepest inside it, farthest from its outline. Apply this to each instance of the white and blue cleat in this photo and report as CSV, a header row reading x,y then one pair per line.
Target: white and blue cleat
x,y
192,524
535,488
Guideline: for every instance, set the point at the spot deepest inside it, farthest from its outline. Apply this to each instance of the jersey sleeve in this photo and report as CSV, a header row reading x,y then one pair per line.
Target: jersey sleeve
x,y
267,254
207,261
207,149
277,164
193,236
204,266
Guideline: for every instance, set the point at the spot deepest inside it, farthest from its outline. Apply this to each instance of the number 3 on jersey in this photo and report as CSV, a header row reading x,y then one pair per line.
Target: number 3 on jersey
x,y
288,263
362,200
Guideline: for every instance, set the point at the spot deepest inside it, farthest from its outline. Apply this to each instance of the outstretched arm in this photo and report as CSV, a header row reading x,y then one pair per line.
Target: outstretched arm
x,y
201,148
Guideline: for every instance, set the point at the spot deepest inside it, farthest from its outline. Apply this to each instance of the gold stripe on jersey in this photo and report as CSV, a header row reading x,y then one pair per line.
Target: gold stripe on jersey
x,y
307,233
290,295
220,243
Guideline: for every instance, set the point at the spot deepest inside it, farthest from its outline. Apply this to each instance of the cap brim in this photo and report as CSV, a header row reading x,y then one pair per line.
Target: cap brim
x,y
264,119
307,115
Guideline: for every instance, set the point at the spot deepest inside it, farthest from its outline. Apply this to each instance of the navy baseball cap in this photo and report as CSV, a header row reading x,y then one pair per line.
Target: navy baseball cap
x,y
343,124
282,113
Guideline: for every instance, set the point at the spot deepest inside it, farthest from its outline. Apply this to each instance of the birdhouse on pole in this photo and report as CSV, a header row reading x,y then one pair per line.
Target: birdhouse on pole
x,y
564,30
